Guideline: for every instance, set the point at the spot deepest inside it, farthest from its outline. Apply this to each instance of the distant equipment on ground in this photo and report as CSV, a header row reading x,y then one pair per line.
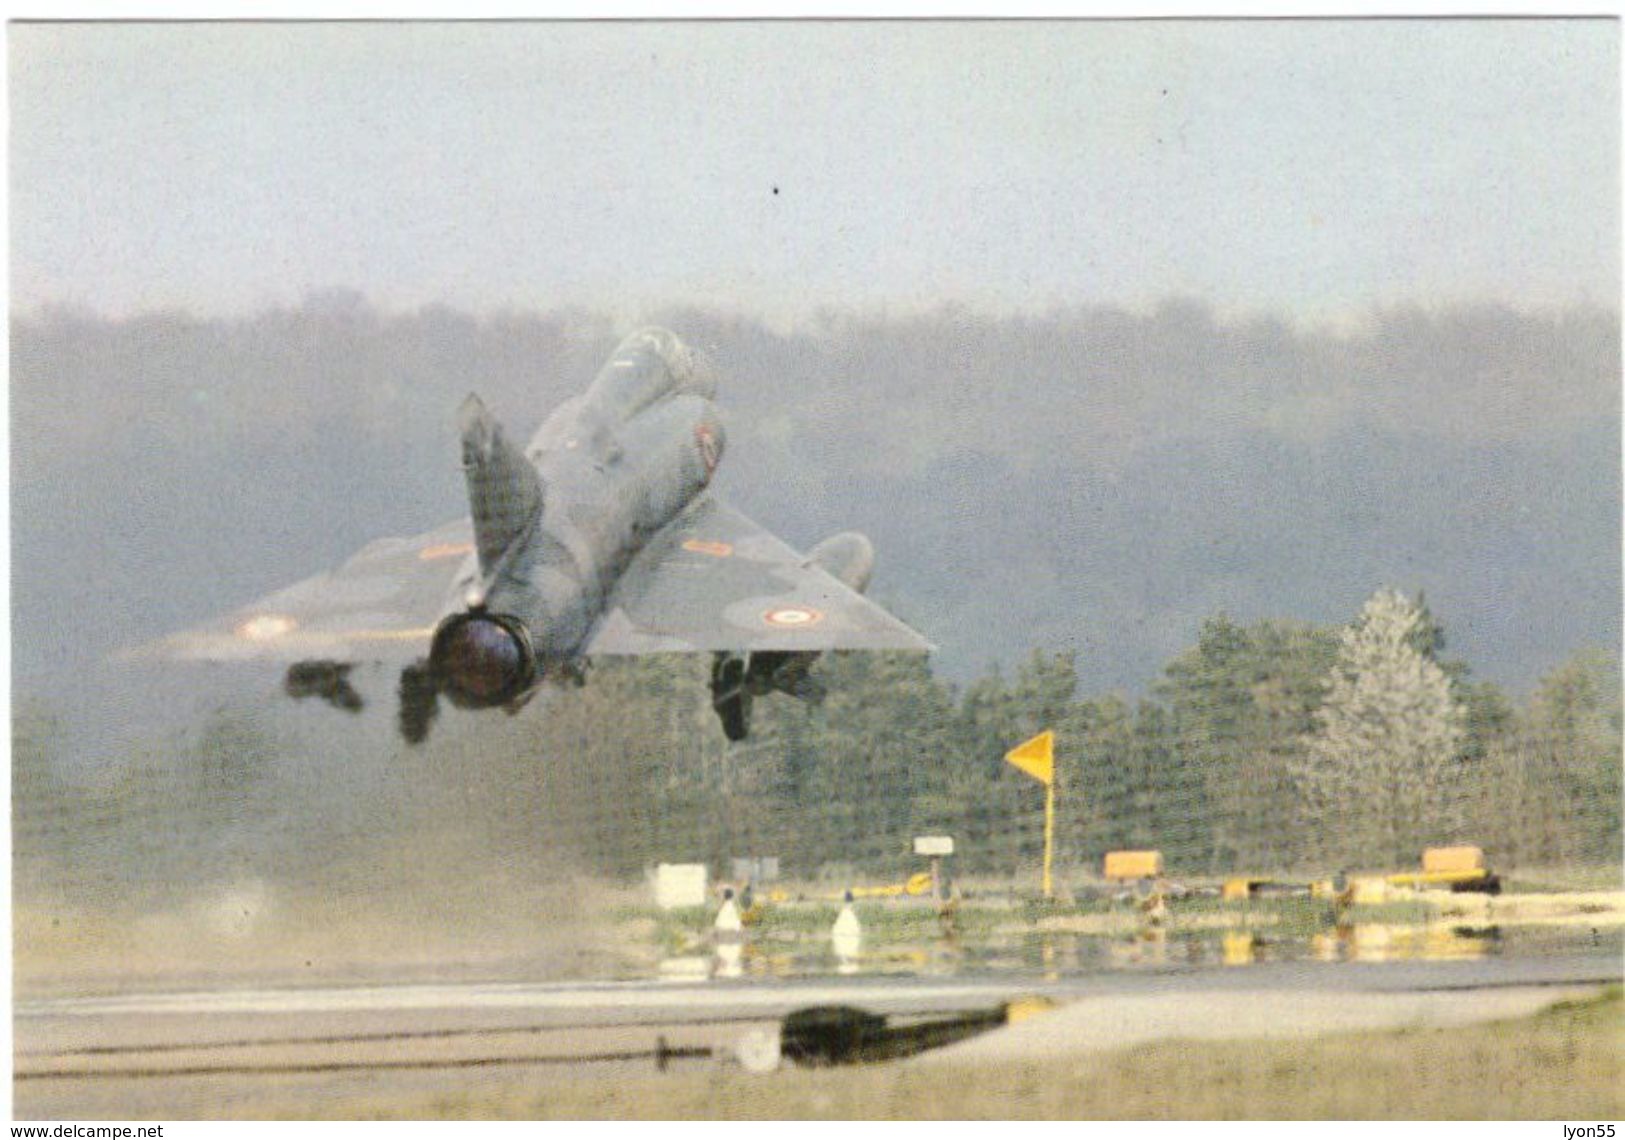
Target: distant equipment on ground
x,y
1248,888
916,884
1459,868
1238,888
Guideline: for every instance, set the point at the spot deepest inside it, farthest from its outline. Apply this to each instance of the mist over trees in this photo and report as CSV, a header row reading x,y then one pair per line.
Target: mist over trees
x,y
1095,480
1149,531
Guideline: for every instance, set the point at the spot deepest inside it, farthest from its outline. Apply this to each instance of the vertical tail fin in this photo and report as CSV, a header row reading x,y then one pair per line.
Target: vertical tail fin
x,y
504,491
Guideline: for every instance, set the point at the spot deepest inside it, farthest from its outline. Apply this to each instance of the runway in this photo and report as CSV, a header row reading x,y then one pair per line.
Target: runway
x,y
322,1051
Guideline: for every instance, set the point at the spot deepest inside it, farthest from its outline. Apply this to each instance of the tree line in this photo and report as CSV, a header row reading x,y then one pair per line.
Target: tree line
x,y
1265,747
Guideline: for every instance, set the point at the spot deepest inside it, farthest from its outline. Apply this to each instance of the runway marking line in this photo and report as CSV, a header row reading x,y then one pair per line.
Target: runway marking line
x,y
397,1035
593,995
312,1067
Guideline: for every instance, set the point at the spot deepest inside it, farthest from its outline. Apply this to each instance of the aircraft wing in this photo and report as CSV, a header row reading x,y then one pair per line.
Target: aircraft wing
x,y
381,605
714,580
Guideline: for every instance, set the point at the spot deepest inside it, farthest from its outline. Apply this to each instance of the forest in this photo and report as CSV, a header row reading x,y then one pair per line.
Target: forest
x,y
1268,747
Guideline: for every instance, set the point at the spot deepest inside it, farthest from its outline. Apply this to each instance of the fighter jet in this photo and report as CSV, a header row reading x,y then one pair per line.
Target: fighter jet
x,y
600,538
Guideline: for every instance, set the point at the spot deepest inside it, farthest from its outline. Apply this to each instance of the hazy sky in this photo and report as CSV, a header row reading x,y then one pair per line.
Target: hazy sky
x,y
1310,167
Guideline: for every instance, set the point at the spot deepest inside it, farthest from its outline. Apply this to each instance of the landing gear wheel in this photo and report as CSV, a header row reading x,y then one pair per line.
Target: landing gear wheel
x,y
730,697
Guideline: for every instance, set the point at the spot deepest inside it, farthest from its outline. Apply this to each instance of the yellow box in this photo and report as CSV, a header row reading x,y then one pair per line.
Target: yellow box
x,y
1133,864
1453,859
1237,889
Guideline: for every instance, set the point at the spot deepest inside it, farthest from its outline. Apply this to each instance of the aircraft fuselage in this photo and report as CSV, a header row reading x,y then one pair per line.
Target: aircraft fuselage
x,y
615,465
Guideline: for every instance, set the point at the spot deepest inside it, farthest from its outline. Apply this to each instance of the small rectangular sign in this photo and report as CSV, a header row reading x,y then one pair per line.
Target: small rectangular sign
x,y
680,885
1132,864
933,845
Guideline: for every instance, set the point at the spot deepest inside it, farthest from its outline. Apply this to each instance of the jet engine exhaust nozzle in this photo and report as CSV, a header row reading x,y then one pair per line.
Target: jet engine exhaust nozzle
x,y
482,660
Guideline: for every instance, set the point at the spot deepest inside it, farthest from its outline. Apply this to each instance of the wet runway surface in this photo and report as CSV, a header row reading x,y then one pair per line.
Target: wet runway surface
x,y
252,1052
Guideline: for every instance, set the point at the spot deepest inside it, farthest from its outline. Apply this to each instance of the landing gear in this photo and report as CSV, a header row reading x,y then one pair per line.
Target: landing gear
x,y
328,680
729,696
573,672
419,701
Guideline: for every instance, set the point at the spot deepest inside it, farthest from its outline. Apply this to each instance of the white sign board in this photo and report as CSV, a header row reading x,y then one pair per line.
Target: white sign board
x,y
933,845
680,884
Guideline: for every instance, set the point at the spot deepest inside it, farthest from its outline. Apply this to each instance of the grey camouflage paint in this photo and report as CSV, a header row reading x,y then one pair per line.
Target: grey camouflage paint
x,y
601,538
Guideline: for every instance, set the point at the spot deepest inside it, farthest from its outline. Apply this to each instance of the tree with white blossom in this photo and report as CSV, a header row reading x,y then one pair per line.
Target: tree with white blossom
x,y
1380,778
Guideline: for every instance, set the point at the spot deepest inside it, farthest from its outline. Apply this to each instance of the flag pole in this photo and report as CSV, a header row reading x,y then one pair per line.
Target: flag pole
x,y
1036,757
1049,833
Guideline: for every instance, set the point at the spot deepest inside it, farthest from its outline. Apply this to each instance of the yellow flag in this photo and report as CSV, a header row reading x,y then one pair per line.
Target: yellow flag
x,y
1036,757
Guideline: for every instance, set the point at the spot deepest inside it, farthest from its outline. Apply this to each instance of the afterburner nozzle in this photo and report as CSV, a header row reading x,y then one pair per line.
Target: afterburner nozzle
x,y
482,660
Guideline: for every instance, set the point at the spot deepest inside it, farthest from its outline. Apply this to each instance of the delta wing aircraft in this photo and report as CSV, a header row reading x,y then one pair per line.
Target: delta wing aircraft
x,y
601,538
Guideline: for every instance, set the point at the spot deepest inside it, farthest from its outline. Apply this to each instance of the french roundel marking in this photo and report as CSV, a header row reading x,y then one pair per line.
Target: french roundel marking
x,y
792,617
265,627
